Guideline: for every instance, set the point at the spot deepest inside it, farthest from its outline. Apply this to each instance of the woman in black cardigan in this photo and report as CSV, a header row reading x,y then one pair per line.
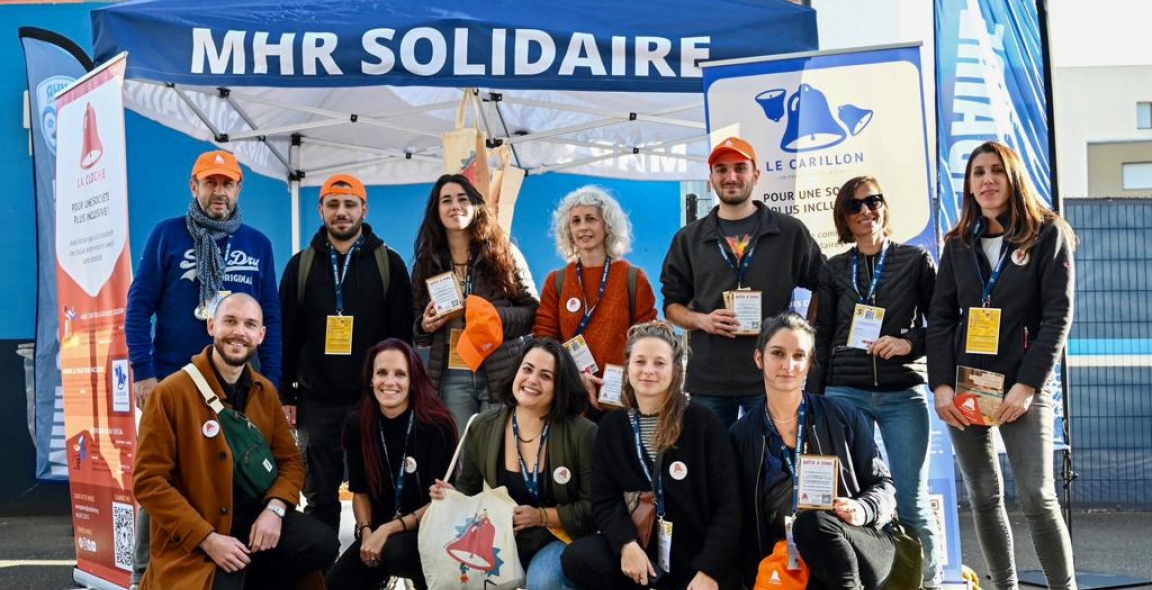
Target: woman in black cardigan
x,y
681,451
397,441
1008,252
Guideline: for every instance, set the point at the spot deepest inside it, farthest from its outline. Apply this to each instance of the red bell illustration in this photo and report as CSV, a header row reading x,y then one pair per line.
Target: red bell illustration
x,y
93,148
475,546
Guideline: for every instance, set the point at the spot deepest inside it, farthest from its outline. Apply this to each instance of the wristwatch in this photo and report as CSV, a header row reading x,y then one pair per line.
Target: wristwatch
x,y
277,510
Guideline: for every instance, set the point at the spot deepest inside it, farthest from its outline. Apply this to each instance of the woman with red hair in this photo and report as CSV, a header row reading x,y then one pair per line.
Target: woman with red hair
x,y
397,442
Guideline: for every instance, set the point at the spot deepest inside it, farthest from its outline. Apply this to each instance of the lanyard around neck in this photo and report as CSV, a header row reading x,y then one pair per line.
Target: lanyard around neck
x,y
339,273
792,459
657,484
589,310
401,472
531,480
874,286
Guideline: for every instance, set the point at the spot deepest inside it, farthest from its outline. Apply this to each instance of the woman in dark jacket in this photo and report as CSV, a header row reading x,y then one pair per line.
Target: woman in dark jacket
x,y
847,547
539,447
397,441
678,449
1003,305
882,375
460,235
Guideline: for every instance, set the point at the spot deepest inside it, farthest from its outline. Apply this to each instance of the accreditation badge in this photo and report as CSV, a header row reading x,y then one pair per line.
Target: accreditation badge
x,y
818,479
664,533
338,335
983,330
793,552
582,354
746,304
866,323
454,360
611,392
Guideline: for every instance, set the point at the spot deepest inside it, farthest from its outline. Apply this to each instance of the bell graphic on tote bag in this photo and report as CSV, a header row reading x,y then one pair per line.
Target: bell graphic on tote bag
x,y
93,149
475,546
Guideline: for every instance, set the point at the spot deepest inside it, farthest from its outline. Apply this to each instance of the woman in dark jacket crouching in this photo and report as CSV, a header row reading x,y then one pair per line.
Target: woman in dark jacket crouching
x,y
845,547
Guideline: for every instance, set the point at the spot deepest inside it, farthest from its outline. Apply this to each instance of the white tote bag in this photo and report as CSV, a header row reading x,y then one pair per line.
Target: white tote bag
x,y
466,542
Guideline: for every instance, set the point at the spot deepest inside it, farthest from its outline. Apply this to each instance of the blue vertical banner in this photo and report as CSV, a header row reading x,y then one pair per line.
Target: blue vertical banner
x,y
53,63
990,84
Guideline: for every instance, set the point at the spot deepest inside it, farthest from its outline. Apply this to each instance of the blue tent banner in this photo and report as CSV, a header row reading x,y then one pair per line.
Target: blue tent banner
x,y
53,63
589,45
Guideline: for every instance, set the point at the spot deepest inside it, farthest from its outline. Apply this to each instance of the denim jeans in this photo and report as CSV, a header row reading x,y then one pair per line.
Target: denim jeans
x,y
903,420
728,409
544,571
1028,442
465,393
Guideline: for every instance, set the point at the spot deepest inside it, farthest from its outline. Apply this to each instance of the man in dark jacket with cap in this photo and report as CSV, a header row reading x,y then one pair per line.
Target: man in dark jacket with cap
x,y
340,295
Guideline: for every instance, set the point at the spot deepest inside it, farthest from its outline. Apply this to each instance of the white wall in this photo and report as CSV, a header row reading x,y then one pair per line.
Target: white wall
x,y
1095,104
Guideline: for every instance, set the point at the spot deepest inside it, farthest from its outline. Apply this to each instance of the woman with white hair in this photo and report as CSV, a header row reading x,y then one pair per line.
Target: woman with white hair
x,y
592,301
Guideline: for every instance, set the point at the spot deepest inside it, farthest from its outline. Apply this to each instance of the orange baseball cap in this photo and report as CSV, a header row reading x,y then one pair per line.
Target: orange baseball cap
x,y
354,188
483,332
733,145
217,162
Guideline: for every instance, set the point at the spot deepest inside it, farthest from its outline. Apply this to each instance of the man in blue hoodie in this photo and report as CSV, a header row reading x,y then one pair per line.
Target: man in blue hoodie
x,y
189,264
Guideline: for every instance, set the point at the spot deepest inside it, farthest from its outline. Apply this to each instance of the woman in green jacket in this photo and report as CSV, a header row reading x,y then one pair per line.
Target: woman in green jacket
x,y
539,447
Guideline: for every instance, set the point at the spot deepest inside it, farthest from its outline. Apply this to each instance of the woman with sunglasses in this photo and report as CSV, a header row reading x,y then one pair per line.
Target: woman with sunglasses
x,y
398,440
876,362
460,235
1002,309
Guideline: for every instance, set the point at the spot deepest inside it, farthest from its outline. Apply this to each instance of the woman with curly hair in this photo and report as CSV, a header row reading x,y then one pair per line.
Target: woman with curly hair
x,y
598,295
460,235
1003,307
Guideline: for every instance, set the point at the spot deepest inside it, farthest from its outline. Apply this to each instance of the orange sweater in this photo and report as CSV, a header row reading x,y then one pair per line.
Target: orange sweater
x,y
607,333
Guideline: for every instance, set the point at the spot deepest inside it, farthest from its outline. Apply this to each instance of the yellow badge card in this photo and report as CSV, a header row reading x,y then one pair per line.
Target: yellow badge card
x,y
338,335
866,323
454,360
664,536
983,330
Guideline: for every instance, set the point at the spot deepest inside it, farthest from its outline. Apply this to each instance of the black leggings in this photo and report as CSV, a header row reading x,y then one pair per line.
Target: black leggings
x,y
400,557
841,556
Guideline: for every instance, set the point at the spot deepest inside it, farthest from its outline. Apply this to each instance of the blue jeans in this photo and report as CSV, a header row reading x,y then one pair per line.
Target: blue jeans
x,y
728,409
544,571
1028,442
465,393
903,420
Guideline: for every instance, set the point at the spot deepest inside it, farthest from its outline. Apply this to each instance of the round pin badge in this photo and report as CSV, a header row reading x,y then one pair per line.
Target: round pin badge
x,y
1020,258
678,470
562,475
573,305
211,429
201,312
410,464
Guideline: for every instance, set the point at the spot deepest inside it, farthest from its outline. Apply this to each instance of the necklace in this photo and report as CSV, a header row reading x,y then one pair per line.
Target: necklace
x,y
527,440
776,420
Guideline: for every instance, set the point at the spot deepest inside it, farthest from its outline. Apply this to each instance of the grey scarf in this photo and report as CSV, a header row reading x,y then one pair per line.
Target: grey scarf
x,y
210,263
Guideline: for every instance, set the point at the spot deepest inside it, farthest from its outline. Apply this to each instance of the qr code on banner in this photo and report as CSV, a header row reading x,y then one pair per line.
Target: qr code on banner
x,y
123,534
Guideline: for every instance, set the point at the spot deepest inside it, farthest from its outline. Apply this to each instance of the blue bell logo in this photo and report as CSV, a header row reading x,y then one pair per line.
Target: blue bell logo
x,y
811,125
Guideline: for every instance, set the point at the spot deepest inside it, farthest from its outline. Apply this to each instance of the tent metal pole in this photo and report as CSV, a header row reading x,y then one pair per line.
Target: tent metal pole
x,y
294,176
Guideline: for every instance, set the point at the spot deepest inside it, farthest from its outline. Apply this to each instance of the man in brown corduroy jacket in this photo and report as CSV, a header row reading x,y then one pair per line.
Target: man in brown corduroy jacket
x,y
205,535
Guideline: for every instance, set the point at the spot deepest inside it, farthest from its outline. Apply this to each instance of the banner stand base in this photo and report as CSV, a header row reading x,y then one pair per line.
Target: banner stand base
x,y
1086,580
91,582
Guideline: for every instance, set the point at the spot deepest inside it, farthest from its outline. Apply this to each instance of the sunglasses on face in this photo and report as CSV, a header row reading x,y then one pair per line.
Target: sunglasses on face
x,y
872,202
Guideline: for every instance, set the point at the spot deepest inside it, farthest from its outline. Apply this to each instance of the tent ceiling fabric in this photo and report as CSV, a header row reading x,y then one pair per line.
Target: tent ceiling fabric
x,y
597,87
667,130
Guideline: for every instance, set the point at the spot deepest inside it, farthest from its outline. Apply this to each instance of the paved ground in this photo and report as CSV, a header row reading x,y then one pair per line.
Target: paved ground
x,y
36,552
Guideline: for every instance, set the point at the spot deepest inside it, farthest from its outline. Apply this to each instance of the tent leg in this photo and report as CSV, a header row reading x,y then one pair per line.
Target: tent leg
x,y
294,176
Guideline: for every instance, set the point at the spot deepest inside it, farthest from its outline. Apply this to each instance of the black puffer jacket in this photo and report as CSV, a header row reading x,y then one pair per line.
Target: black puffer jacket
x,y
905,292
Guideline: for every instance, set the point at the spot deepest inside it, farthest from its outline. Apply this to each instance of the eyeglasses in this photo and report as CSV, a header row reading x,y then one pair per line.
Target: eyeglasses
x,y
873,202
